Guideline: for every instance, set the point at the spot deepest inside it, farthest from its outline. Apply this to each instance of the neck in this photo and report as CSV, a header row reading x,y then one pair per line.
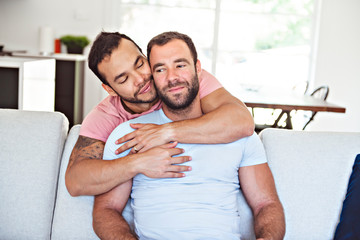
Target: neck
x,y
135,108
190,112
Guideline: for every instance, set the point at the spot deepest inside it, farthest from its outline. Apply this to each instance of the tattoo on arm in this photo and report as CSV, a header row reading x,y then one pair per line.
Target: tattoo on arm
x,y
86,148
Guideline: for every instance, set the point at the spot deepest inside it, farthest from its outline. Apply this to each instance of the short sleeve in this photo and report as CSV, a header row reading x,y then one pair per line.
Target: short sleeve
x,y
208,84
254,152
111,147
98,125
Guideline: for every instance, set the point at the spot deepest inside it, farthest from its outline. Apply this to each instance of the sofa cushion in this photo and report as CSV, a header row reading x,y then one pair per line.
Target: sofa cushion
x,y
311,172
31,147
73,215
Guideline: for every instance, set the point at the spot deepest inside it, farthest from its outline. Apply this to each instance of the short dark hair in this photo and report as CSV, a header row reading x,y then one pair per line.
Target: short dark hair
x,y
103,46
166,37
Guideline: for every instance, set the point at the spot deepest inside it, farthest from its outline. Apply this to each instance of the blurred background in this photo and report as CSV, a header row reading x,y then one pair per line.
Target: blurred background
x,y
253,44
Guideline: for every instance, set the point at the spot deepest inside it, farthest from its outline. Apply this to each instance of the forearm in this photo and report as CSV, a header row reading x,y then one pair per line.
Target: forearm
x,y
225,124
97,176
225,120
270,222
108,224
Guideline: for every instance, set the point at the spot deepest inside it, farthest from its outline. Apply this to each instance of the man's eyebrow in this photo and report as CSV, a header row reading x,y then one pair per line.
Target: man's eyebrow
x,y
176,61
135,64
137,60
182,60
157,65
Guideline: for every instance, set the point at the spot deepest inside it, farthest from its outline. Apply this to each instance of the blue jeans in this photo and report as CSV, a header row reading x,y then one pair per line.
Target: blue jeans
x,y
349,225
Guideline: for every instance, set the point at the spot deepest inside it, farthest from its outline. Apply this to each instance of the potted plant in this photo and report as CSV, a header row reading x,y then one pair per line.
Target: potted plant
x,y
75,44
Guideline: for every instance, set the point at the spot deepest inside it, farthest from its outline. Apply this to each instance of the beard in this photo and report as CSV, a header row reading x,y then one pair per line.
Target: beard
x,y
136,99
179,101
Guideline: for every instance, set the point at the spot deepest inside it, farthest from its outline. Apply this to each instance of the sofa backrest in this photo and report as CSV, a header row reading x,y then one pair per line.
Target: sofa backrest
x,y
311,172
73,215
30,151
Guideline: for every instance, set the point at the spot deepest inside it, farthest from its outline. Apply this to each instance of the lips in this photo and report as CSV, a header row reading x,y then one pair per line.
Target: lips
x,y
145,89
176,89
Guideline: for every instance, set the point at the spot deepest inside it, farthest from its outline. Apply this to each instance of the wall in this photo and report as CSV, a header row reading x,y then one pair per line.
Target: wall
x,y
338,64
20,21
337,60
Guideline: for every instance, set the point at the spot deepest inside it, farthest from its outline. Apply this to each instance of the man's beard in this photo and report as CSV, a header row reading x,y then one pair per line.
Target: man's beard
x,y
179,102
135,99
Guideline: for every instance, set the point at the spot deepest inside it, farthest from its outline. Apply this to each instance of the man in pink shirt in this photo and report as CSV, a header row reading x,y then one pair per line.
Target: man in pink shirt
x,y
125,74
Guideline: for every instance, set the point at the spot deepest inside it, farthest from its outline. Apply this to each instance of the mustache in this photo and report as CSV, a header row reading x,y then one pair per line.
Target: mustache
x,y
176,83
142,85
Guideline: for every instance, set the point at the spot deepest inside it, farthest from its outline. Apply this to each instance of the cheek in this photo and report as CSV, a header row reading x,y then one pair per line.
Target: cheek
x,y
146,69
158,79
125,90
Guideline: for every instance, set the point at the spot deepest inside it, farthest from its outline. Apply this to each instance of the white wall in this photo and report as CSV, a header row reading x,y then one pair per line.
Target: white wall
x,y
337,61
20,21
338,64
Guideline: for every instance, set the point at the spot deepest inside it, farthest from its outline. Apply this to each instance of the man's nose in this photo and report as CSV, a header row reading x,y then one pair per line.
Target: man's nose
x,y
139,78
172,74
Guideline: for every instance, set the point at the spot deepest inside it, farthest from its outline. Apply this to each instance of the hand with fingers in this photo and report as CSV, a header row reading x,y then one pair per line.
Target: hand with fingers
x,y
144,137
162,162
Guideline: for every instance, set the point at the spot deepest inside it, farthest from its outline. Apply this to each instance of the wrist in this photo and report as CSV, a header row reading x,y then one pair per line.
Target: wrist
x,y
170,131
134,164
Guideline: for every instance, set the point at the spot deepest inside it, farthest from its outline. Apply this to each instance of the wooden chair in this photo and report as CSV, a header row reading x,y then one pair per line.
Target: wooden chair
x,y
320,93
283,118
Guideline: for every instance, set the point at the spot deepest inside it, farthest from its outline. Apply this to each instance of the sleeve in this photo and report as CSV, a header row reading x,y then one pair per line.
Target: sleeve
x,y
110,146
208,84
98,125
254,152
348,226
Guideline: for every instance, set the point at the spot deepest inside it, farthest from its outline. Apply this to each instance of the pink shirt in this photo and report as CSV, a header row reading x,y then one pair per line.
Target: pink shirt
x,y
109,113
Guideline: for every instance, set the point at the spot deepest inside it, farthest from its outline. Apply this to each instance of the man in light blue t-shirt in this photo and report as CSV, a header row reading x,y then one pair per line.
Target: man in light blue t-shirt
x,y
202,205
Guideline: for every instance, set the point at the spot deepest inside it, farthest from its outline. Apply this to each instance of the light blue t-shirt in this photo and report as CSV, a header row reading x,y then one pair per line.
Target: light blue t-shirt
x,y
202,205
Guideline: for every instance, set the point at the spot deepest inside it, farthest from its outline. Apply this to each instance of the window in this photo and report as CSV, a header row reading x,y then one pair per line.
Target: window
x,y
244,43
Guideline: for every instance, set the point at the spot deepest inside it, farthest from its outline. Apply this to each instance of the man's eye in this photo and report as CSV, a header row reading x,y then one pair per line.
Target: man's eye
x,y
181,65
123,80
159,70
141,64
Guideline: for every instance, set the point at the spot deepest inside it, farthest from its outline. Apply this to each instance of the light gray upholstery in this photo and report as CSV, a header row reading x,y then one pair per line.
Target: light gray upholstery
x,y
311,171
73,215
30,151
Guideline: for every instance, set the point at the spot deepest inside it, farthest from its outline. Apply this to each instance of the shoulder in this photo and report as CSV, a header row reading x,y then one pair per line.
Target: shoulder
x,y
100,122
125,128
254,151
208,83
110,145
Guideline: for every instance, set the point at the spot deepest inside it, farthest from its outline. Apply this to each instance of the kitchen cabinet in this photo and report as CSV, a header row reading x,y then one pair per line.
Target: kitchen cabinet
x,y
27,83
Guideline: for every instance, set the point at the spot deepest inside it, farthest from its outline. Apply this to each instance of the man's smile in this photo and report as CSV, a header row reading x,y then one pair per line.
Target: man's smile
x,y
176,89
146,88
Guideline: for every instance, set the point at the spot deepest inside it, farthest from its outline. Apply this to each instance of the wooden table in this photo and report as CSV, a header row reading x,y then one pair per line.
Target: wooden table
x,y
286,102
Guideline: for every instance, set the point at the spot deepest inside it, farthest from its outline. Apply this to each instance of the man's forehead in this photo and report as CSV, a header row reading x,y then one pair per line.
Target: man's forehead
x,y
172,48
127,46
122,58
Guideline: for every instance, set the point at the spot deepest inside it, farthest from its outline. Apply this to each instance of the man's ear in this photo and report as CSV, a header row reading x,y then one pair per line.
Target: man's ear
x,y
109,90
198,67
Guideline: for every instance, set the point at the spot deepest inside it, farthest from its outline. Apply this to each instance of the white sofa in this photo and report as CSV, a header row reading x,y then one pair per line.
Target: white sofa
x,y
311,171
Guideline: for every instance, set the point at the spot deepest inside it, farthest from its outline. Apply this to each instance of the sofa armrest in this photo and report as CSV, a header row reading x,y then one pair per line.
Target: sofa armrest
x,y
31,148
